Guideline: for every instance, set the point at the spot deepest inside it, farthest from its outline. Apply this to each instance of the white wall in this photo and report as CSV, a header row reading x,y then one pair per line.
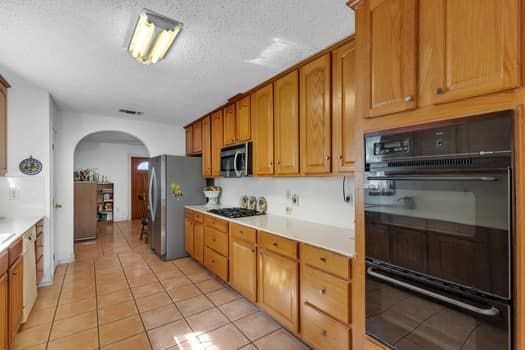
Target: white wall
x,y
30,112
320,199
112,160
70,128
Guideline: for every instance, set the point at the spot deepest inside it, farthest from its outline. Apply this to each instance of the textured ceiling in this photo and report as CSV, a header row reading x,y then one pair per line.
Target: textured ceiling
x,y
77,50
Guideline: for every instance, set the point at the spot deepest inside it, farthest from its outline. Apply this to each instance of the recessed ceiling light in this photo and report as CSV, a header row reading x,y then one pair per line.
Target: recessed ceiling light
x,y
129,111
153,36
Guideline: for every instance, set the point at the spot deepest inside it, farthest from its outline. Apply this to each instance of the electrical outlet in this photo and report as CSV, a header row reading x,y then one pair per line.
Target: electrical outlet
x,y
289,211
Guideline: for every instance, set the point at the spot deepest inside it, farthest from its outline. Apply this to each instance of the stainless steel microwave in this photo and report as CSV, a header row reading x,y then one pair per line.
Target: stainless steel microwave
x,y
236,161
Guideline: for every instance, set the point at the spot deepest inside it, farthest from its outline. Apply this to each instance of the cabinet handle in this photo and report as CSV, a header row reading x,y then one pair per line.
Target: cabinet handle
x,y
275,244
253,250
439,91
277,162
409,98
241,232
323,259
322,291
327,157
323,333
271,163
339,156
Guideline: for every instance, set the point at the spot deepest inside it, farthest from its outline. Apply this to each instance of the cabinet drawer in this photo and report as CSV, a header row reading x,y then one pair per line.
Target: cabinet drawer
x,y
323,332
4,262
243,232
326,292
198,217
15,250
188,214
216,263
278,244
218,224
217,241
335,264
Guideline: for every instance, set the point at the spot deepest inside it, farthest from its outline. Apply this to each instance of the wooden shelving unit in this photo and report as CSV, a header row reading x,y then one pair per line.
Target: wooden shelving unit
x,y
105,205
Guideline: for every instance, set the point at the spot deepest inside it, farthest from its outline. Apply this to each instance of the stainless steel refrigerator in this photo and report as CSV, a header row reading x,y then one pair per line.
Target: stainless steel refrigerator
x,y
166,208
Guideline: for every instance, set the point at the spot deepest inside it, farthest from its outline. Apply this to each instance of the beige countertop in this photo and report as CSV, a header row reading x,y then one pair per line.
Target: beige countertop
x,y
332,238
14,228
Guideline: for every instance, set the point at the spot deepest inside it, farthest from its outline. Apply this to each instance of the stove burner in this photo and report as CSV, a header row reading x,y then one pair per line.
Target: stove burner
x,y
234,212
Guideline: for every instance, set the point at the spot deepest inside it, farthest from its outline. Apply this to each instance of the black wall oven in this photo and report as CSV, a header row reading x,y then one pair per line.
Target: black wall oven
x,y
439,233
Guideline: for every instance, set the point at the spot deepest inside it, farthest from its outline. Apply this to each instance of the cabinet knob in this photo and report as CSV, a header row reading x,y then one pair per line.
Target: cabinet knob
x,y
339,156
277,162
271,163
439,91
323,259
323,333
213,261
409,98
241,232
214,239
253,250
322,291
327,157
275,244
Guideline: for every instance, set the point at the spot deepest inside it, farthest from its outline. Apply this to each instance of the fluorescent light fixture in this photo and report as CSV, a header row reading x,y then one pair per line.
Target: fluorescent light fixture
x,y
153,36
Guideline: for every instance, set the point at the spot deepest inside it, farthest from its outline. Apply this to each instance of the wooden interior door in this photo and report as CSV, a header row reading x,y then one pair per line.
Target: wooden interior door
x,y
343,110
229,125
85,210
16,297
217,141
4,321
243,128
243,270
262,115
279,288
476,46
286,124
139,185
392,56
206,147
315,112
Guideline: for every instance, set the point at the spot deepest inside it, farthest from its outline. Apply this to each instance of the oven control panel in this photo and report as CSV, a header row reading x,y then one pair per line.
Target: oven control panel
x,y
391,147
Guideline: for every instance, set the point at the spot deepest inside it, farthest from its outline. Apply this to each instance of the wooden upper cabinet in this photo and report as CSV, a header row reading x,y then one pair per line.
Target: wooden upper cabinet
x,y
343,108
315,116
286,124
474,46
197,136
206,147
216,142
229,125
3,126
262,119
189,140
243,129
390,26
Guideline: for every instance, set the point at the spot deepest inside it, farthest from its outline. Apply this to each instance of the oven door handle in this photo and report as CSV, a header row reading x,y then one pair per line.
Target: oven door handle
x,y
433,178
491,311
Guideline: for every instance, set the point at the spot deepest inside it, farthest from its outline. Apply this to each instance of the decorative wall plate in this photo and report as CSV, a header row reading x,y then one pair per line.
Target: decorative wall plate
x,y
30,166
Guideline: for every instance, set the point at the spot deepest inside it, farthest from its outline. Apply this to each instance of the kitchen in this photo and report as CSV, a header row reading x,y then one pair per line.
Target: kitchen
x,y
391,163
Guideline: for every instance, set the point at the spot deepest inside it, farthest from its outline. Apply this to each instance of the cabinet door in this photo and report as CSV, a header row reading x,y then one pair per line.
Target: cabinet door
x,y
315,111
343,110
262,116
243,128
206,147
286,125
243,267
189,140
197,136
392,57
278,279
476,48
216,142
229,125
198,241
16,300
3,130
188,236
4,302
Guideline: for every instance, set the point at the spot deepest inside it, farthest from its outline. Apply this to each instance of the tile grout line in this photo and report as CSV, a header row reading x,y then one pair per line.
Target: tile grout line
x,y
96,299
56,307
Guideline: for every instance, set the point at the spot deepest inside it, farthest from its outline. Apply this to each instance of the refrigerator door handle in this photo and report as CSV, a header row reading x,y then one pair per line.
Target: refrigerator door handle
x,y
152,186
237,172
491,311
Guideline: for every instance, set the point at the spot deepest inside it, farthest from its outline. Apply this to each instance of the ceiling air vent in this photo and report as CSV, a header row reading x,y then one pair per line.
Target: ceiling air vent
x,y
130,112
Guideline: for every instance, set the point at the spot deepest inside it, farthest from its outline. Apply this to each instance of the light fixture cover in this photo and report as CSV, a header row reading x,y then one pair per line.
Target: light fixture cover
x,y
153,36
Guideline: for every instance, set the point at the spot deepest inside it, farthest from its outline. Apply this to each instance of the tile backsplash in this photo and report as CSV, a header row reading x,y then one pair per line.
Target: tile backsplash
x,y
320,199
22,196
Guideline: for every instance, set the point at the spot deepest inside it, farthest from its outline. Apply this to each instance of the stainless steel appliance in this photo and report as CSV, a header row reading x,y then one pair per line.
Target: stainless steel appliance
x,y
236,161
235,212
439,232
166,207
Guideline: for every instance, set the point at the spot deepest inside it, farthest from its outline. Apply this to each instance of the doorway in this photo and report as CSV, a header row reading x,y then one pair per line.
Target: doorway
x,y
139,185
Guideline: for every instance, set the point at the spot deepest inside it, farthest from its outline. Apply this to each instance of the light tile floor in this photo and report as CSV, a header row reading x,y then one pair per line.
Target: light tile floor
x,y
118,295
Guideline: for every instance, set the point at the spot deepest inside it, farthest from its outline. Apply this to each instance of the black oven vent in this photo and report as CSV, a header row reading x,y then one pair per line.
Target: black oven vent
x,y
431,163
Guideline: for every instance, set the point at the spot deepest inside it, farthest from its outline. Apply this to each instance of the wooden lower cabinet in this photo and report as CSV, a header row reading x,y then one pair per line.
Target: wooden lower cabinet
x,y
243,267
16,296
278,279
198,241
188,235
4,305
322,331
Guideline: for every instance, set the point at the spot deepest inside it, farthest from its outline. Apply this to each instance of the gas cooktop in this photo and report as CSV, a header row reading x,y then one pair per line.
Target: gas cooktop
x,y
235,212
